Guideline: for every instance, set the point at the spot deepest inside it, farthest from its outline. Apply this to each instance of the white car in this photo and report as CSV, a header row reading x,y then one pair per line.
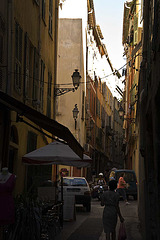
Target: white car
x,y
78,187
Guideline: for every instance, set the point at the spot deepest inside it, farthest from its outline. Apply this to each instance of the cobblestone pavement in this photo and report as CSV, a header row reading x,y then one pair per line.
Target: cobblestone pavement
x,y
88,226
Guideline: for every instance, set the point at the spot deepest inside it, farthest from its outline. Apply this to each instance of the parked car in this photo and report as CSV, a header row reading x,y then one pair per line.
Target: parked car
x,y
78,187
131,180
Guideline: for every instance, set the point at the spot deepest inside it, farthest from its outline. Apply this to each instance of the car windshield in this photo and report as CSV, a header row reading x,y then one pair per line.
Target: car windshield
x,y
129,176
74,182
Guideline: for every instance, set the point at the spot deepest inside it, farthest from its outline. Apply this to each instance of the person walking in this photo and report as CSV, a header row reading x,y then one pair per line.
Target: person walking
x,y
110,199
121,188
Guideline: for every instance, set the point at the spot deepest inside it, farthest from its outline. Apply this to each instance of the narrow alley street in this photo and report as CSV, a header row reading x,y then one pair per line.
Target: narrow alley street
x,y
79,107
88,226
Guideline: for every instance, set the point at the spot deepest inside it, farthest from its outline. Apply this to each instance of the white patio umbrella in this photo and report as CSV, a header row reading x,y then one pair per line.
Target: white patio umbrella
x,y
56,153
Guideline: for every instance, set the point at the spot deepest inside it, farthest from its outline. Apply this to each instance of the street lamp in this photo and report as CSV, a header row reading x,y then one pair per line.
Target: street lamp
x,y
121,114
75,115
76,81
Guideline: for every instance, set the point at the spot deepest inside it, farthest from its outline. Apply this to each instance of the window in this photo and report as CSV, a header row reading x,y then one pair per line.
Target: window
x,y
28,68
50,16
31,141
98,108
18,58
43,9
49,95
35,77
82,105
42,83
74,182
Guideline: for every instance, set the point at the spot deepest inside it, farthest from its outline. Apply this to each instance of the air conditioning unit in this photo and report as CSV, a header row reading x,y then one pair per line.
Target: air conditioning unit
x,y
86,147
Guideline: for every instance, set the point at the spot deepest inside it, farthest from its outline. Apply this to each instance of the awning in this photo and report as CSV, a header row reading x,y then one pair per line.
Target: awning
x,y
43,121
56,153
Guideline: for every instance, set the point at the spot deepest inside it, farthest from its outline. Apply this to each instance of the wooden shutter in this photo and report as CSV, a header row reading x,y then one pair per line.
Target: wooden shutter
x,y
31,141
26,66
43,9
36,77
49,95
42,84
18,58
135,28
50,15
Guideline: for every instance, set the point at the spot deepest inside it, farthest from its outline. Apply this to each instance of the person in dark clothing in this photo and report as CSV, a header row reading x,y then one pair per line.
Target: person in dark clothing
x,y
110,199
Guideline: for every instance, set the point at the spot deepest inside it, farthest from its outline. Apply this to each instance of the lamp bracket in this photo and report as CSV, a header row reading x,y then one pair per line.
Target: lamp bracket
x,y
61,91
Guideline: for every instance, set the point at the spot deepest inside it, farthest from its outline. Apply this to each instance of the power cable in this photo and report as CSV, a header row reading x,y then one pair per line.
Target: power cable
x,y
63,84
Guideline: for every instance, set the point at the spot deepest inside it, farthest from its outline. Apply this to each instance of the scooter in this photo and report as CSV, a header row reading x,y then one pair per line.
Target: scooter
x,y
100,192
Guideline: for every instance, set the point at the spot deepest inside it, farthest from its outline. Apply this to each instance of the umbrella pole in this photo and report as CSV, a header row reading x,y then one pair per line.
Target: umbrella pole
x,y
56,185
62,198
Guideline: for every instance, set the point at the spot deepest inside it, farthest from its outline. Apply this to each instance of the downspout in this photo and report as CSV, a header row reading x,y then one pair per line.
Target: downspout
x,y
55,80
55,52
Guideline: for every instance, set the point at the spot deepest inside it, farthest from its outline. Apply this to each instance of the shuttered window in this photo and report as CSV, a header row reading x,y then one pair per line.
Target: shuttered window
x,y
50,16
26,67
135,27
31,141
49,95
18,58
35,77
98,107
43,9
42,84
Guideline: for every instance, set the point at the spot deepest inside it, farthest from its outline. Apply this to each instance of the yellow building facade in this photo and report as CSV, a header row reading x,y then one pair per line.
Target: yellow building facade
x,y
31,76
132,41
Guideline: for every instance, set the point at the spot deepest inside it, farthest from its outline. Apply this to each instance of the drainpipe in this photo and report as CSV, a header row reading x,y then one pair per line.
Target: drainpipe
x,y
55,79
55,52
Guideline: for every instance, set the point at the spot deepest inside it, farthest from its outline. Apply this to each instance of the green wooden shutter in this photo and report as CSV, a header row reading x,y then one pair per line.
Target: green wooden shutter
x,y
35,77
26,66
18,58
31,141
49,95
135,28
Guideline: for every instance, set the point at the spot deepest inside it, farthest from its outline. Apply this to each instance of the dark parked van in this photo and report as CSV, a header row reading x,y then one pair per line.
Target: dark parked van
x,y
130,178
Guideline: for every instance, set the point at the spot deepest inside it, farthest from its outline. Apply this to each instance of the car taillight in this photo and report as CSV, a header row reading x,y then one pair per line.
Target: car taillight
x,y
88,193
